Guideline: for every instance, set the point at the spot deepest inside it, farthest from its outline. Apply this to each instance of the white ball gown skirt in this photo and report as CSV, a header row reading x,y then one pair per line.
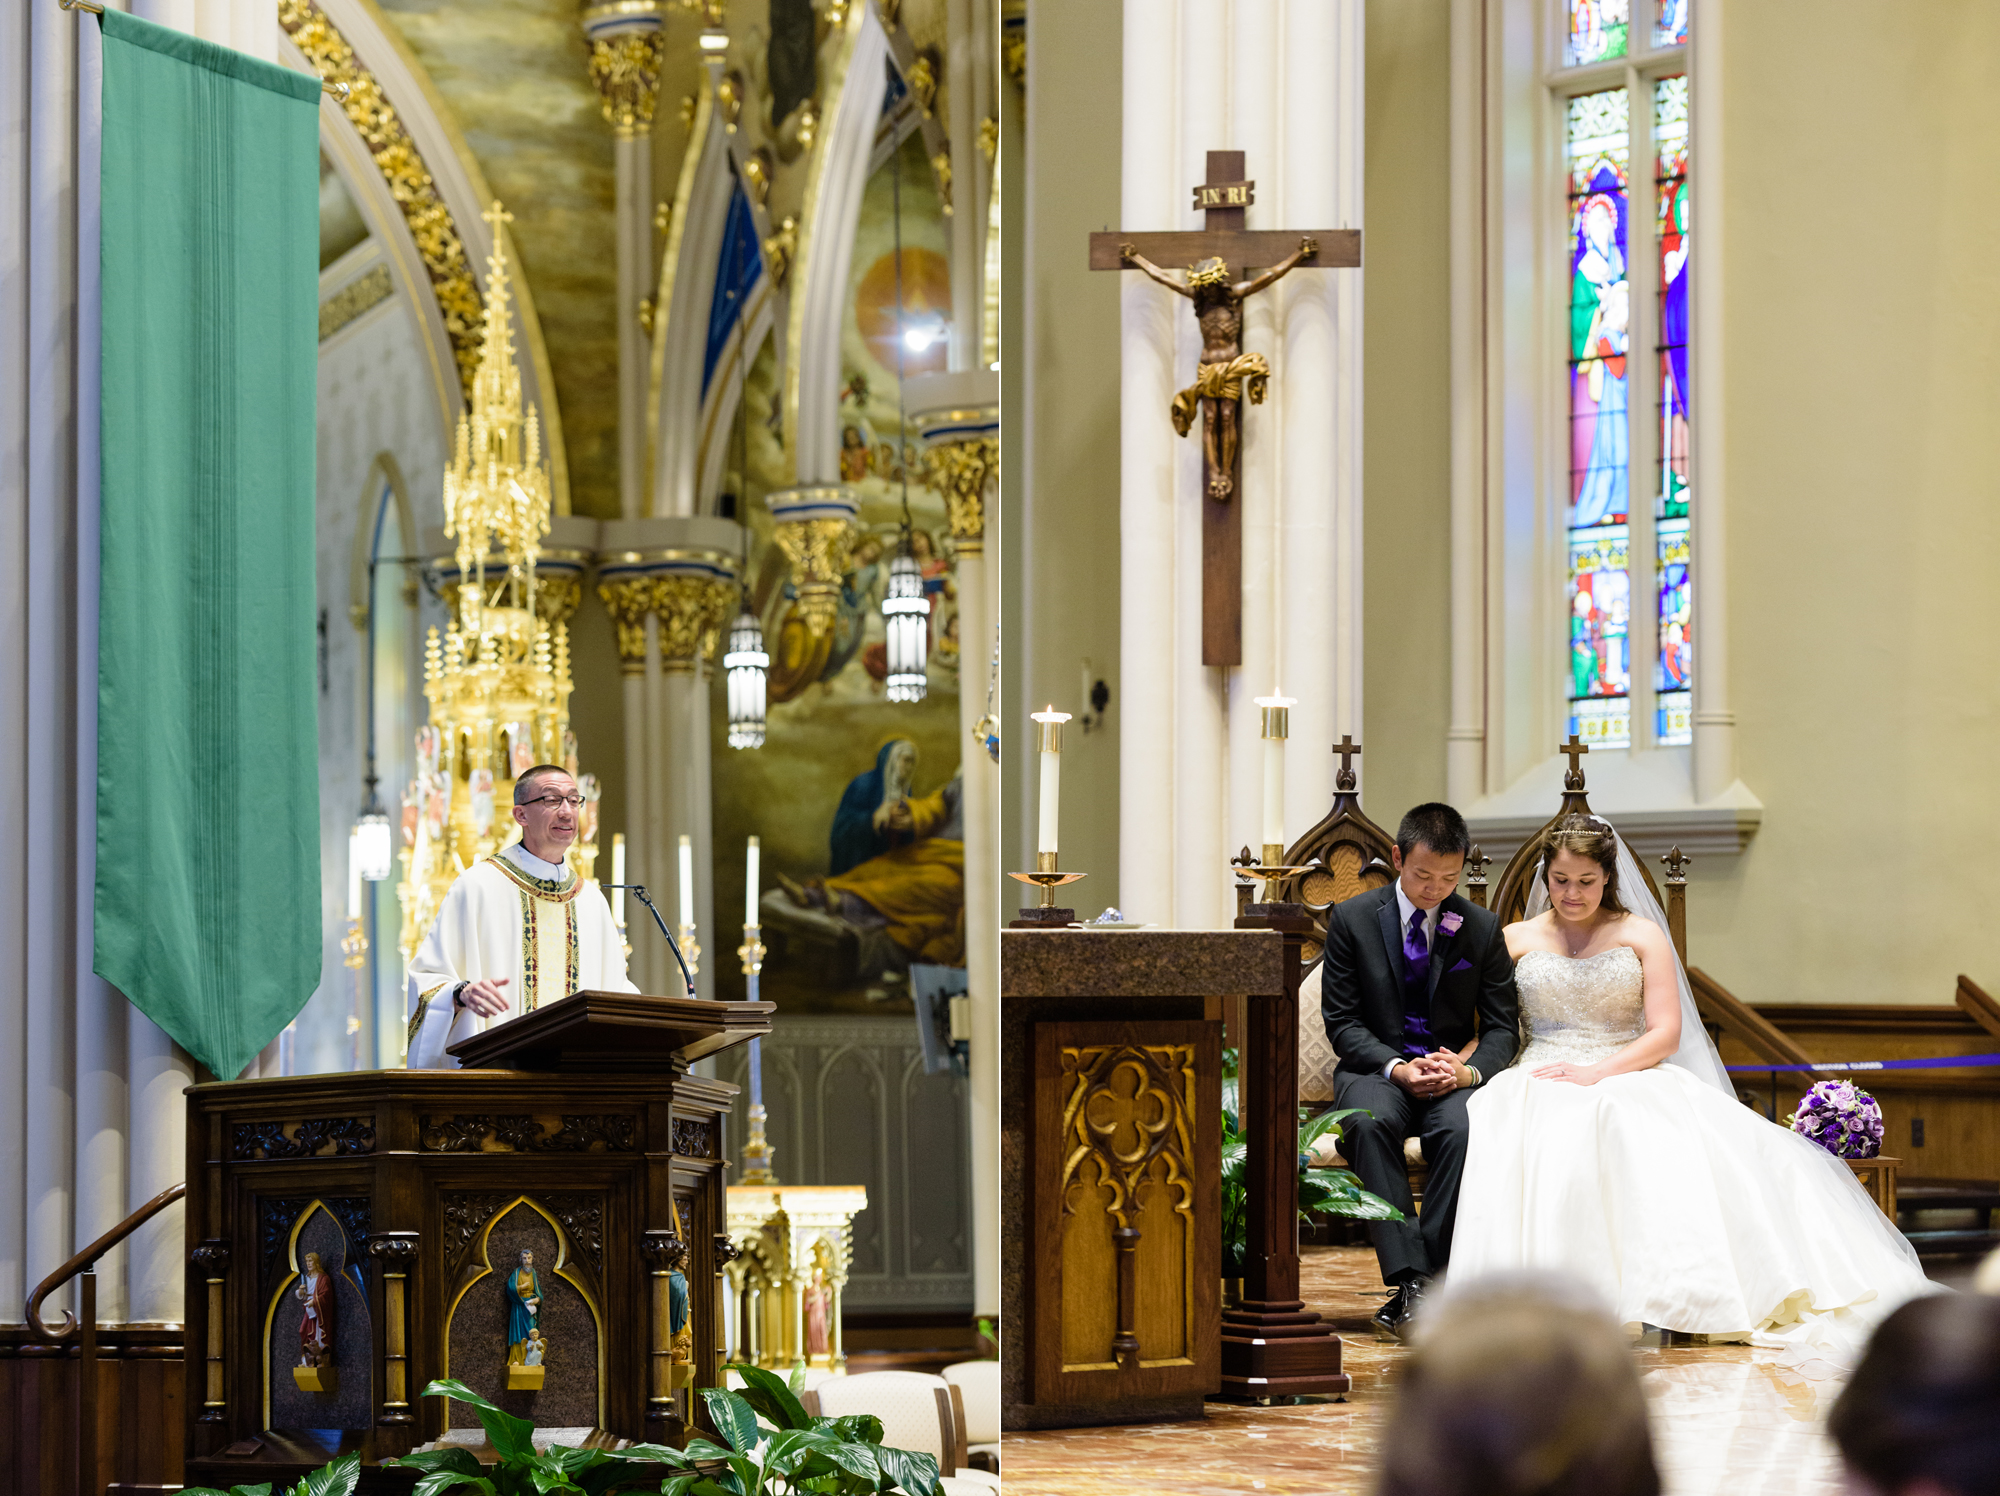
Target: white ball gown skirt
x,y
1682,1207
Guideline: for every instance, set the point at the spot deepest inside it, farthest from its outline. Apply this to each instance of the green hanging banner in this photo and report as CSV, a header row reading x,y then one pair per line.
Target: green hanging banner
x,y
208,877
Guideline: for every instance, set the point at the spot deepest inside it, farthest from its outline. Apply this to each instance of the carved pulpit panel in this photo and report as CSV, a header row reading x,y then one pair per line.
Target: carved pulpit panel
x,y
1127,1219
526,1308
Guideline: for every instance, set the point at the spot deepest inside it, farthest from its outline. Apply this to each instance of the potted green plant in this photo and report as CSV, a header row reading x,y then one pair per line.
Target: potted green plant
x,y
1322,1191
794,1453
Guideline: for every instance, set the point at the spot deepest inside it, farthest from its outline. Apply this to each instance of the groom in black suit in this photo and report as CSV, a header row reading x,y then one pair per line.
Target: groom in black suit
x,y
1406,969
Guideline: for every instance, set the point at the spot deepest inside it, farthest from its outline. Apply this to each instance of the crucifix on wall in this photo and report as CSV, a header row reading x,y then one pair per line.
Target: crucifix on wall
x,y
1217,258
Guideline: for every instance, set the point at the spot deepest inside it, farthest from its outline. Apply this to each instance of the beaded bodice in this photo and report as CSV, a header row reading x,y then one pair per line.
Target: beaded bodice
x,y
1579,1011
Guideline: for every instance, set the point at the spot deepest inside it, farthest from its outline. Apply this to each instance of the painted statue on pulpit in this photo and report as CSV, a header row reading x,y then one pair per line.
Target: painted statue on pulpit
x,y
522,1291
315,1292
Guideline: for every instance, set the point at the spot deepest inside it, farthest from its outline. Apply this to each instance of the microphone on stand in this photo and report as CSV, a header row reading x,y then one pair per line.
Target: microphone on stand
x,y
638,891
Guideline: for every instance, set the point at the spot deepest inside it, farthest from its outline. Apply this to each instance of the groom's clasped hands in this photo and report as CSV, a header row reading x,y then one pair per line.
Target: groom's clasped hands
x,y
1433,1074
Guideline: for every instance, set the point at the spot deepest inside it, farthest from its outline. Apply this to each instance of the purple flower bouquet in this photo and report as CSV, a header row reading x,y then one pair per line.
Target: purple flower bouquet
x,y
1843,1119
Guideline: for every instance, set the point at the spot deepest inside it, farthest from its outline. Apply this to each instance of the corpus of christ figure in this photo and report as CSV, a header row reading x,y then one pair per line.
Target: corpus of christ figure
x,y
1220,256
1226,373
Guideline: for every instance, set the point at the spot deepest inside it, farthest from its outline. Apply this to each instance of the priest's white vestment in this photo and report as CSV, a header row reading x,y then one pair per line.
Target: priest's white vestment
x,y
510,915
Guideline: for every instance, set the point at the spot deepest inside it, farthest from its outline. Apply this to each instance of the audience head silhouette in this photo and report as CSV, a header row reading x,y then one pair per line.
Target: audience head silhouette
x,y
1521,1385
1918,1417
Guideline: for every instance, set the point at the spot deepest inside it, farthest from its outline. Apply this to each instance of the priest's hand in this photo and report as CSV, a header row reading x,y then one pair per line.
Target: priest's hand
x,y
484,997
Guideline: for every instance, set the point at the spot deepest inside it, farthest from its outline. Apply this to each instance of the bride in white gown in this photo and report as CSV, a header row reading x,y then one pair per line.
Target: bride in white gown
x,y
1614,1148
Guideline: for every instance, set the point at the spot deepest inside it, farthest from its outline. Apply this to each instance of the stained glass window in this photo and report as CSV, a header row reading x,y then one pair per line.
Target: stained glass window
x,y
1598,30
1671,678
1600,594
1600,433
1670,24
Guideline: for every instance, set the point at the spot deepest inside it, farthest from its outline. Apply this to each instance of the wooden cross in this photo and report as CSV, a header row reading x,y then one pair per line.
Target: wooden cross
x,y
1222,199
1348,750
1575,748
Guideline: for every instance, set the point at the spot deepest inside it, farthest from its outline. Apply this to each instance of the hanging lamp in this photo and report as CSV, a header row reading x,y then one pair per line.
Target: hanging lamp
x,y
905,610
745,660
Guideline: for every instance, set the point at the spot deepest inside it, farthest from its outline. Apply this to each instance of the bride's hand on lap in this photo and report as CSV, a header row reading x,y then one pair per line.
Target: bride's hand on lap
x,y
1576,1075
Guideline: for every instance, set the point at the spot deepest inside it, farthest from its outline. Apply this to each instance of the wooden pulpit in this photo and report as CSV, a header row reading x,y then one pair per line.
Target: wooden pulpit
x,y
546,1225
1110,1167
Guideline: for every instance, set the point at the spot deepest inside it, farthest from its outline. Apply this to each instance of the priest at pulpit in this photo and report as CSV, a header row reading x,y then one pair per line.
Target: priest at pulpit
x,y
518,930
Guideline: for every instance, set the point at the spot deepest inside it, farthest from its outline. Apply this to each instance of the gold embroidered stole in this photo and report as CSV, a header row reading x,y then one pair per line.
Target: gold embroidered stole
x,y
548,935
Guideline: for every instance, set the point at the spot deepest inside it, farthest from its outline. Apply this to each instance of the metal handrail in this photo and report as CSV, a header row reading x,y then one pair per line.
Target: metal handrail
x,y
86,1261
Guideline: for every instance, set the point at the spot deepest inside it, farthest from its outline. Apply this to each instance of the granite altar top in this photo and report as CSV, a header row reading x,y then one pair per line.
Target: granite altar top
x,y
1141,963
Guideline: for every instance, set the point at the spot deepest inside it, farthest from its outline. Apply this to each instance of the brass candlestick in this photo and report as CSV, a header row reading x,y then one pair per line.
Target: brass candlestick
x,y
690,949
1272,868
1047,877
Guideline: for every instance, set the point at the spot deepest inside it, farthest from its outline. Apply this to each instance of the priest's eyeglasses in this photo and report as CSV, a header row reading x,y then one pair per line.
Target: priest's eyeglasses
x,y
574,802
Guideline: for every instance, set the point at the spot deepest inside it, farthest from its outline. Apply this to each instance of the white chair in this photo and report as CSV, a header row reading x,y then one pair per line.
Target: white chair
x,y
921,1413
978,1383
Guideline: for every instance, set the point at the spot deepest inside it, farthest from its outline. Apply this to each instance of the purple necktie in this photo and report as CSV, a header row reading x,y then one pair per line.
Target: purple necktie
x,y
1416,951
1416,989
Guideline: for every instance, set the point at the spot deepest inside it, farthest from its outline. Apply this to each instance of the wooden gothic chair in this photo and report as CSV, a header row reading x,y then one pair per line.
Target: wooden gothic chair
x,y
1344,855
1510,898
1718,1007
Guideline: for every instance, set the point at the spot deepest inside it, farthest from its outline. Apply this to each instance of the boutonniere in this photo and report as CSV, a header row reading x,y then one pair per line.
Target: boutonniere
x,y
1449,923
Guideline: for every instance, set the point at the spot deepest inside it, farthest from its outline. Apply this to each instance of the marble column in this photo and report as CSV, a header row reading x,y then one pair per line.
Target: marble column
x,y
969,77
670,584
695,599
628,597
625,50
957,417
1280,80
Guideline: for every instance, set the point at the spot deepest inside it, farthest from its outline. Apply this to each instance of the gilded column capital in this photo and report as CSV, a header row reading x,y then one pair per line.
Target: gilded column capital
x,y
628,599
557,594
693,609
625,71
962,470
815,529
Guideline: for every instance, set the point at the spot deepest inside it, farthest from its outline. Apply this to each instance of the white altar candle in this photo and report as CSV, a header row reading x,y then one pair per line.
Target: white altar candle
x,y
1048,739
687,881
1276,728
353,875
618,876
750,871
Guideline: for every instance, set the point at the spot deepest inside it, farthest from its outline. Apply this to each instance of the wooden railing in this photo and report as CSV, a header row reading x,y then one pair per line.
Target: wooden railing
x,y
1975,1003
83,1267
1742,1022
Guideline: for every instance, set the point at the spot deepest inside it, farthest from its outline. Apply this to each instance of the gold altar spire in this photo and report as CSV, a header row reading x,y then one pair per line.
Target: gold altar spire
x,y
498,681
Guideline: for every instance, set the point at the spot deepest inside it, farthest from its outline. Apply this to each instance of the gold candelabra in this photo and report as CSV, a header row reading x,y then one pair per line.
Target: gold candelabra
x,y
498,680
757,1148
354,955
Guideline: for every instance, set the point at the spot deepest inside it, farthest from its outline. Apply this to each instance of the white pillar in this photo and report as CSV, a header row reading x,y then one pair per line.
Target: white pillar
x,y
680,686
43,1136
24,86
1465,741
1280,80
978,587
662,976
961,411
637,921
1714,722
157,1070
634,157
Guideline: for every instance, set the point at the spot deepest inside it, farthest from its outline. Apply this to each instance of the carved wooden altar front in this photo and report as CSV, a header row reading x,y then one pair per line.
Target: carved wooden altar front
x,y
553,1237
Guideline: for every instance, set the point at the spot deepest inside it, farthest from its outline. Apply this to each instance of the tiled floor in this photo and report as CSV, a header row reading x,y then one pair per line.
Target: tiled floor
x,y
1725,1418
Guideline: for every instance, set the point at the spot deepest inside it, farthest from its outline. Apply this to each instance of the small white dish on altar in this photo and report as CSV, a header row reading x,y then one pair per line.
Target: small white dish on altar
x,y
1111,919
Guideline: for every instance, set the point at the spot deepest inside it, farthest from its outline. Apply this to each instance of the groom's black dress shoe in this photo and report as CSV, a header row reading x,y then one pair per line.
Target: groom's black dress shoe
x,y
1394,1319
